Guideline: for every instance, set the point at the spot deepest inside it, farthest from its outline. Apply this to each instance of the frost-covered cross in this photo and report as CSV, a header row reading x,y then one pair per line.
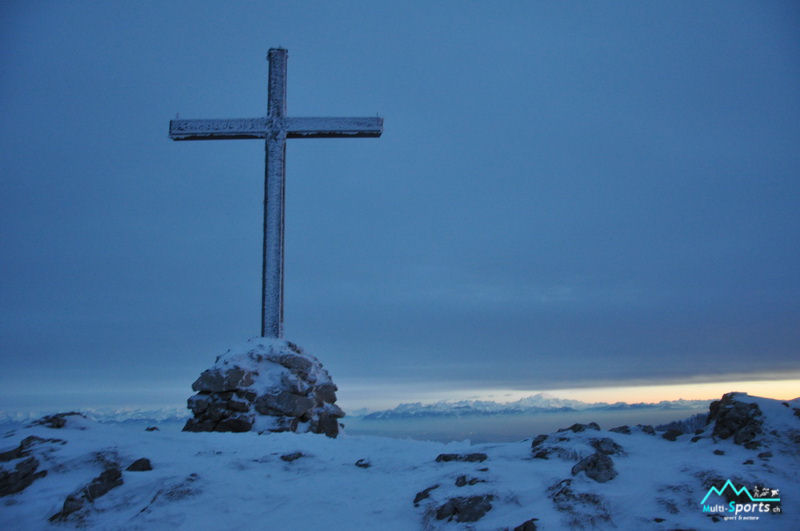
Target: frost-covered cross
x,y
276,127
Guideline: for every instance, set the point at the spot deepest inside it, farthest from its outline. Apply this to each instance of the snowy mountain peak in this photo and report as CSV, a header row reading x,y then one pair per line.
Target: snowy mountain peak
x,y
537,403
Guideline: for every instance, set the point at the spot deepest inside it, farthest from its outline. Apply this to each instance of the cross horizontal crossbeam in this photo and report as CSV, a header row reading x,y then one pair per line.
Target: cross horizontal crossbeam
x,y
275,127
235,128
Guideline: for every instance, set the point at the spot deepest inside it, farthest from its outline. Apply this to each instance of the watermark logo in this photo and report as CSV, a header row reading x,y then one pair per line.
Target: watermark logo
x,y
743,504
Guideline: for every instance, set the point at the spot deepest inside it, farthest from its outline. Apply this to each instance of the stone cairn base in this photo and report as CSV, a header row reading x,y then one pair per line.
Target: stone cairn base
x,y
265,385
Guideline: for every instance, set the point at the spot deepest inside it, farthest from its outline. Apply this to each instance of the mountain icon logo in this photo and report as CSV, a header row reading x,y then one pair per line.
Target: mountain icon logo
x,y
739,491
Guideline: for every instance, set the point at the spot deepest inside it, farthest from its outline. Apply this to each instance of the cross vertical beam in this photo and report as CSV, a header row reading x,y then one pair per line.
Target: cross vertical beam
x,y
275,128
274,199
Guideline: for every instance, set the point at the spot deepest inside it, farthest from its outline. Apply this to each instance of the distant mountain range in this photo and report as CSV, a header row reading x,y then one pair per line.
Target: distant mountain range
x,y
538,403
534,404
106,414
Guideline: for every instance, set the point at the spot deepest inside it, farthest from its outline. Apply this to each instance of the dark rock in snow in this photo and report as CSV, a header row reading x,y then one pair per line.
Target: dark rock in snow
x,y
528,525
584,509
543,453
59,420
14,453
469,458
646,428
732,416
719,452
294,456
465,508
421,495
538,440
546,452
606,446
21,477
621,429
363,463
23,473
597,466
107,480
24,447
140,465
179,490
151,428
671,435
576,428
463,480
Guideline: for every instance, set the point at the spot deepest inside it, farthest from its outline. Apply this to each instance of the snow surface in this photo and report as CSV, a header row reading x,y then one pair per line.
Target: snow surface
x,y
239,481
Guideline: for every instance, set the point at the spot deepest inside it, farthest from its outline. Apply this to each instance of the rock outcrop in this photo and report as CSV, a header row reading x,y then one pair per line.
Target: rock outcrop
x,y
732,416
140,465
477,457
606,446
59,420
108,479
465,508
16,477
266,385
423,494
598,466
20,477
581,509
577,428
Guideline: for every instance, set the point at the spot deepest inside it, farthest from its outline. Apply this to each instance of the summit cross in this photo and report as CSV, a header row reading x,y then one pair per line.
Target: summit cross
x,y
276,127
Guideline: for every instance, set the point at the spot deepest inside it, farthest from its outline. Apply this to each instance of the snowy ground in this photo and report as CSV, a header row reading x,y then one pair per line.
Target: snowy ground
x,y
240,481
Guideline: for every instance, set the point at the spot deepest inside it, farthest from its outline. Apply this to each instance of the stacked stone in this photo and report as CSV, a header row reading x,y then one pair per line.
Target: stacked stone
x,y
266,385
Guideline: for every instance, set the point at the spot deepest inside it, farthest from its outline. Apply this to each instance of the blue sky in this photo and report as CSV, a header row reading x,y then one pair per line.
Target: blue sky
x,y
565,194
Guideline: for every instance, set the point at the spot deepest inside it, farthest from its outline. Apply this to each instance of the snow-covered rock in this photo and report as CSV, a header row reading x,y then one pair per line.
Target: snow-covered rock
x,y
734,417
265,385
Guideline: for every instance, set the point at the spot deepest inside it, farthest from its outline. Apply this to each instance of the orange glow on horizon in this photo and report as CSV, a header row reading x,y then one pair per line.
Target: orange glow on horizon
x,y
386,396
777,389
